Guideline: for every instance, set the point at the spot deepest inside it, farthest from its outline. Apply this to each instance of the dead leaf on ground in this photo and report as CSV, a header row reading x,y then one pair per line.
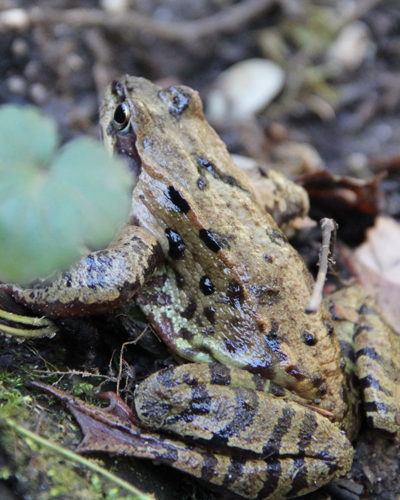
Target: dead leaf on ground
x,y
378,260
352,203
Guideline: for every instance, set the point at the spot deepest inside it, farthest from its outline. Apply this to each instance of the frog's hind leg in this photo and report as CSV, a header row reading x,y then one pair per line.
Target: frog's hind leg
x,y
261,444
376,353
99,282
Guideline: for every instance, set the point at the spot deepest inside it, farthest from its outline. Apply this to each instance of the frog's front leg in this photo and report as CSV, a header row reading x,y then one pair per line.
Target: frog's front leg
x,y
100,281
375,350
263,444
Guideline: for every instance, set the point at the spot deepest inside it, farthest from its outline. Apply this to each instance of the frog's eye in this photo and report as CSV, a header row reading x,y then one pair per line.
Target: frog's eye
x,y
121,117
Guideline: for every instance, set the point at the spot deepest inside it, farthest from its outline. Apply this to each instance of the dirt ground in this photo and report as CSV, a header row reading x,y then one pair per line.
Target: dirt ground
x,y
338,110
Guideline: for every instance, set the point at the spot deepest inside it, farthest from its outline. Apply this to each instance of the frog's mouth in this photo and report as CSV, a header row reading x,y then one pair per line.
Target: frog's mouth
x,y
123,145
125,148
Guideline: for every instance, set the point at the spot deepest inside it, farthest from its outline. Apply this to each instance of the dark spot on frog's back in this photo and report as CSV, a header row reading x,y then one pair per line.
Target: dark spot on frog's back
x,y
177,199
209,313
276,236
317,379
295,372
180,280
208,238
177,99
176,246
309,338
235,293
202,183
206,286
189,311
209,166
329,327
186,334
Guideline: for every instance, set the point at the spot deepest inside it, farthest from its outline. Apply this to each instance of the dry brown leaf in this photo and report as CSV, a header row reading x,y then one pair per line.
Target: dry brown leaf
x,y
379,263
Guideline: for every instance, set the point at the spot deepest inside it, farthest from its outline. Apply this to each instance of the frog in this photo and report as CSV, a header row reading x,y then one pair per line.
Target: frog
x,y
259,406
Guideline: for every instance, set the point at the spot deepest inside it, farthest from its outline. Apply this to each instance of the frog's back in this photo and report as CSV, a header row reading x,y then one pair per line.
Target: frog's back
x,y
234,290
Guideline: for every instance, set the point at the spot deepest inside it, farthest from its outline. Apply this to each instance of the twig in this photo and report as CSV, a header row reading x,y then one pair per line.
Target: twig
x,y
121,359
72,373
328,227
226,21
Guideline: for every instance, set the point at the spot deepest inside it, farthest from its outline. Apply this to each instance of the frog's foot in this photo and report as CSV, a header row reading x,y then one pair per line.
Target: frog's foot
x,y
375,347
99,282
15,322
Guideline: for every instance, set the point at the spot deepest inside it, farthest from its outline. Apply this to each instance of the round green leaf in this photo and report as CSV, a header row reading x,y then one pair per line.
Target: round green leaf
x,y
54,206
26,136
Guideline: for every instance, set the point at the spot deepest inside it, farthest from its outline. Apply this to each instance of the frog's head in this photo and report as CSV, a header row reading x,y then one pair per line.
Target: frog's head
x,y
134,108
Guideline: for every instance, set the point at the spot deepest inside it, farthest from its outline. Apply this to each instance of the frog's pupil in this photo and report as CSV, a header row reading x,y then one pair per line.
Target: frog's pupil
x,y
121,115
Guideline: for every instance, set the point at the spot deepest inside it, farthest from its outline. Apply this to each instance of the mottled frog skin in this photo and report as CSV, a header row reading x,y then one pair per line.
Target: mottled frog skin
x,y
263,399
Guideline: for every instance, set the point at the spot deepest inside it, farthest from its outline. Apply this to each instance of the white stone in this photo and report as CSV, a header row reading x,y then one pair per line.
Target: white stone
x,y
14,19
351,47
114,6
244,89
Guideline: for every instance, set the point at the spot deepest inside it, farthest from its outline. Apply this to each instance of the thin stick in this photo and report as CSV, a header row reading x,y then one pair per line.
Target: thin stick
x,y
328,227
227,20
121,359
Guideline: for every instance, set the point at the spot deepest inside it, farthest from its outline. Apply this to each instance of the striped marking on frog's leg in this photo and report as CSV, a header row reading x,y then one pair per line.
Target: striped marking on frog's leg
x,y
376,353
281,448
272,479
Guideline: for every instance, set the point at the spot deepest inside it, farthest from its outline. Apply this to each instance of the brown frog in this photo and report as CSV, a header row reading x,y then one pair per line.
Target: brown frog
x,y
262,400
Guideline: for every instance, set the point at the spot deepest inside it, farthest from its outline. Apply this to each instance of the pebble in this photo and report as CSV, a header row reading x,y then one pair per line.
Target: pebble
x,y
244,90
351,48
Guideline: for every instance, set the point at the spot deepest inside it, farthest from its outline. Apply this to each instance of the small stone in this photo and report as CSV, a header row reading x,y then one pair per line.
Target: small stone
x,y
244,89
114,6
19,47
38,93
351,47
14,19
16,84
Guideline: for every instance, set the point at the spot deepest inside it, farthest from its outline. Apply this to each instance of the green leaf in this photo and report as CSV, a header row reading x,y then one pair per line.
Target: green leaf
x,y
53,205
26,136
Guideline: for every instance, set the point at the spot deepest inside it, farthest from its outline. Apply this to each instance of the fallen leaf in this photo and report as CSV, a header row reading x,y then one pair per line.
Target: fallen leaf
x,y
378,262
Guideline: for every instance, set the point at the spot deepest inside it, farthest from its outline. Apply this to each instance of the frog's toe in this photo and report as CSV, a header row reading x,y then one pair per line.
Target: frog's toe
x,y
24,327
